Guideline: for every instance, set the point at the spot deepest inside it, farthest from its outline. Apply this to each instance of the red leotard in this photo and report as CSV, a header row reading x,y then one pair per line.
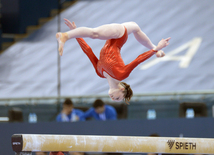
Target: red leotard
x,y
110,58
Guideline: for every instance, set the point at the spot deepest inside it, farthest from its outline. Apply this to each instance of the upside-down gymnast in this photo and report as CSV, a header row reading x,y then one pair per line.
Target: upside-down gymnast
x,y
110,64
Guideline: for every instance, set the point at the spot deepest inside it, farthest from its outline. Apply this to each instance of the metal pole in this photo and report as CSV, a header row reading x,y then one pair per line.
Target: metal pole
x,y
58,58
59,61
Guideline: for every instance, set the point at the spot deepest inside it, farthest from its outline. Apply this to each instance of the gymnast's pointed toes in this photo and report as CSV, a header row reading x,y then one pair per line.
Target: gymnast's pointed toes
x,y
58,35
60,51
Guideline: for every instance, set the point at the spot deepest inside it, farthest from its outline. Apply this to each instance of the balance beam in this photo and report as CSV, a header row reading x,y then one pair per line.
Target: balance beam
x,y
120,144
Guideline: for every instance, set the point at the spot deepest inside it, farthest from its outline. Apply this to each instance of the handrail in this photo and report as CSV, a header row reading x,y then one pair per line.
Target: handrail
x,y
206,92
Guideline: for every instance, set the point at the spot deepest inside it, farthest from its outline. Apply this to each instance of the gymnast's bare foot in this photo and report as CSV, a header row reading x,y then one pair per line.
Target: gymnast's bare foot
x,y
163,43
61,38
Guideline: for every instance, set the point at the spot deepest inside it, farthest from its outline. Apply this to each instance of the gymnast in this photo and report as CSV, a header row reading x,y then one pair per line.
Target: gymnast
x,y
110,64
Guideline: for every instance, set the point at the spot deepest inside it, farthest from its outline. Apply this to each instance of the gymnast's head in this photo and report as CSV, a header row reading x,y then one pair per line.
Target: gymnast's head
x,y
124,92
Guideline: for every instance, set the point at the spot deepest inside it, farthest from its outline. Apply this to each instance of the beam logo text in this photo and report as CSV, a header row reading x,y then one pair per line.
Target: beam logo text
x,y
181,145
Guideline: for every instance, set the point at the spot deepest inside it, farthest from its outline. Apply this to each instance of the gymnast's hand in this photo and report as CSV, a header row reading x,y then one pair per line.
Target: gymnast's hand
x,y
69,24
160,53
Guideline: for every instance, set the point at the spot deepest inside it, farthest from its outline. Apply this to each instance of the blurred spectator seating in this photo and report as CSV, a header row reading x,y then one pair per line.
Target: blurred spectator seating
x,y
121,109
200,109
15,115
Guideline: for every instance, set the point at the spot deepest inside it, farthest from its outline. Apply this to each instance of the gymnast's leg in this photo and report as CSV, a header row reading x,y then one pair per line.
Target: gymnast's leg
x,y
104,32
140,36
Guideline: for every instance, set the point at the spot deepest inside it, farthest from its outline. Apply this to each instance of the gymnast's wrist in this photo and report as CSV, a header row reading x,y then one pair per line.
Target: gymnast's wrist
x,y
154,50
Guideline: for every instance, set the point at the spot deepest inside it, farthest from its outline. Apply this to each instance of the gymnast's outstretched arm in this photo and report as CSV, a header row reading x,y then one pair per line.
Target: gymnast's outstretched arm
x,y
163,43
85,47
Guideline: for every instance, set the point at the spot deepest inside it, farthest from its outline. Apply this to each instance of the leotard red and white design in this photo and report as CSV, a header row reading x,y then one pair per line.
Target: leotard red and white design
x,y
110,58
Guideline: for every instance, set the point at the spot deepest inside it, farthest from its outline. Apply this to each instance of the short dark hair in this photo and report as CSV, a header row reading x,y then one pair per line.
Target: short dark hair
x,y
68,102
128,93
98,103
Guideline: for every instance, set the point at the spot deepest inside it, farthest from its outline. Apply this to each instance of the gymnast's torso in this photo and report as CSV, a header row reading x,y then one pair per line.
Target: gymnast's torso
x,y
110,59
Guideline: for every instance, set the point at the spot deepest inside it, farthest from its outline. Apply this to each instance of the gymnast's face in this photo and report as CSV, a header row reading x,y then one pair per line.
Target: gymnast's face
x,y
116,94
